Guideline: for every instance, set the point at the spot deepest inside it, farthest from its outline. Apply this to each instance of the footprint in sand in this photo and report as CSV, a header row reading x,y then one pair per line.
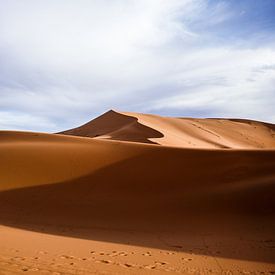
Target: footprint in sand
x,y
148,254
161,263
66,257
123,254
150,266
104,261
170,253
114,253
101,253
127,265
187,259
117,253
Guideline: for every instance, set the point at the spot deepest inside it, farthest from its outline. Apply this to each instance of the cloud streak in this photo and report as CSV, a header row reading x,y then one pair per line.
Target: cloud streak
x,y
64,62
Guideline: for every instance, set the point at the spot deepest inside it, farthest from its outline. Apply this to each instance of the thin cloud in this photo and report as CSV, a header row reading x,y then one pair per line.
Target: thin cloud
x,y
64,62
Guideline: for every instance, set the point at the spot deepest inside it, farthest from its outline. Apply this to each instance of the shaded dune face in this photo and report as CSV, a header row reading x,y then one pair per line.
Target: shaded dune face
x,y
116,126
179,132
128,170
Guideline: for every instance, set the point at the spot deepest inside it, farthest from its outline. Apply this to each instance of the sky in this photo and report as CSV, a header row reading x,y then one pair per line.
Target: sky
x,y
64,62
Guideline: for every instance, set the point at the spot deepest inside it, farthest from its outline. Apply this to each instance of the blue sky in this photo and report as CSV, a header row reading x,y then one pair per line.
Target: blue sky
x,y
63,62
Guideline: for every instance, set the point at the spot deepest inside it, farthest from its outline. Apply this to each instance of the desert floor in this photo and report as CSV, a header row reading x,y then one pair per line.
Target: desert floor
x,y
139,194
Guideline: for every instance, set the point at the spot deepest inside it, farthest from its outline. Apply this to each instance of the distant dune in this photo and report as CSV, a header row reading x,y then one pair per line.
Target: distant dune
x,y
109,197
180,132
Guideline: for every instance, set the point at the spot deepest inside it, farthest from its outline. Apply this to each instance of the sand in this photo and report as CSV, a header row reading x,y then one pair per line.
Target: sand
x,y
132,193
179,132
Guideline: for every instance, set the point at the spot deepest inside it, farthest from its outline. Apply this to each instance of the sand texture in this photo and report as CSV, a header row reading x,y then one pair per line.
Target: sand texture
x,y
179,132
132,193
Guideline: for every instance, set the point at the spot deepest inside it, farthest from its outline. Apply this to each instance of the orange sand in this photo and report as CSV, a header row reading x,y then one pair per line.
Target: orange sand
x,y
116,202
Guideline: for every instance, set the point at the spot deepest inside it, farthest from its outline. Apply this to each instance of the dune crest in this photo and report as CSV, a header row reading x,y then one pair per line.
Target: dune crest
x,y
179,132
116,126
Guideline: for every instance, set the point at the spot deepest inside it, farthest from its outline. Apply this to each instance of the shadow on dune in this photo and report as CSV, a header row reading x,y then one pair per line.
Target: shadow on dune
x,y
175,199
116,126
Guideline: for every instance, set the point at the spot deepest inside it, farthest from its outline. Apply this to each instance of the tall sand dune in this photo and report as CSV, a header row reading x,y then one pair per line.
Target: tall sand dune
x,y
180,132
107,198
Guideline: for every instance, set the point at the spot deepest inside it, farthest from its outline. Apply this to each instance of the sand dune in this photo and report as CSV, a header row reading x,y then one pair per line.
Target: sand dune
x,y
180,132
120,204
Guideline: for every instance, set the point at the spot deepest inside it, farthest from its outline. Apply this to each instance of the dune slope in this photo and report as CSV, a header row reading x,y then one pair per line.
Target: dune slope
x,y
180,132
167,209
116,126
101,183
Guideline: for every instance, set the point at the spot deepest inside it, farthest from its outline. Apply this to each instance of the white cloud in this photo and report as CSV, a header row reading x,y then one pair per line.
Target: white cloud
x,y
21,121
63,62
234,82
